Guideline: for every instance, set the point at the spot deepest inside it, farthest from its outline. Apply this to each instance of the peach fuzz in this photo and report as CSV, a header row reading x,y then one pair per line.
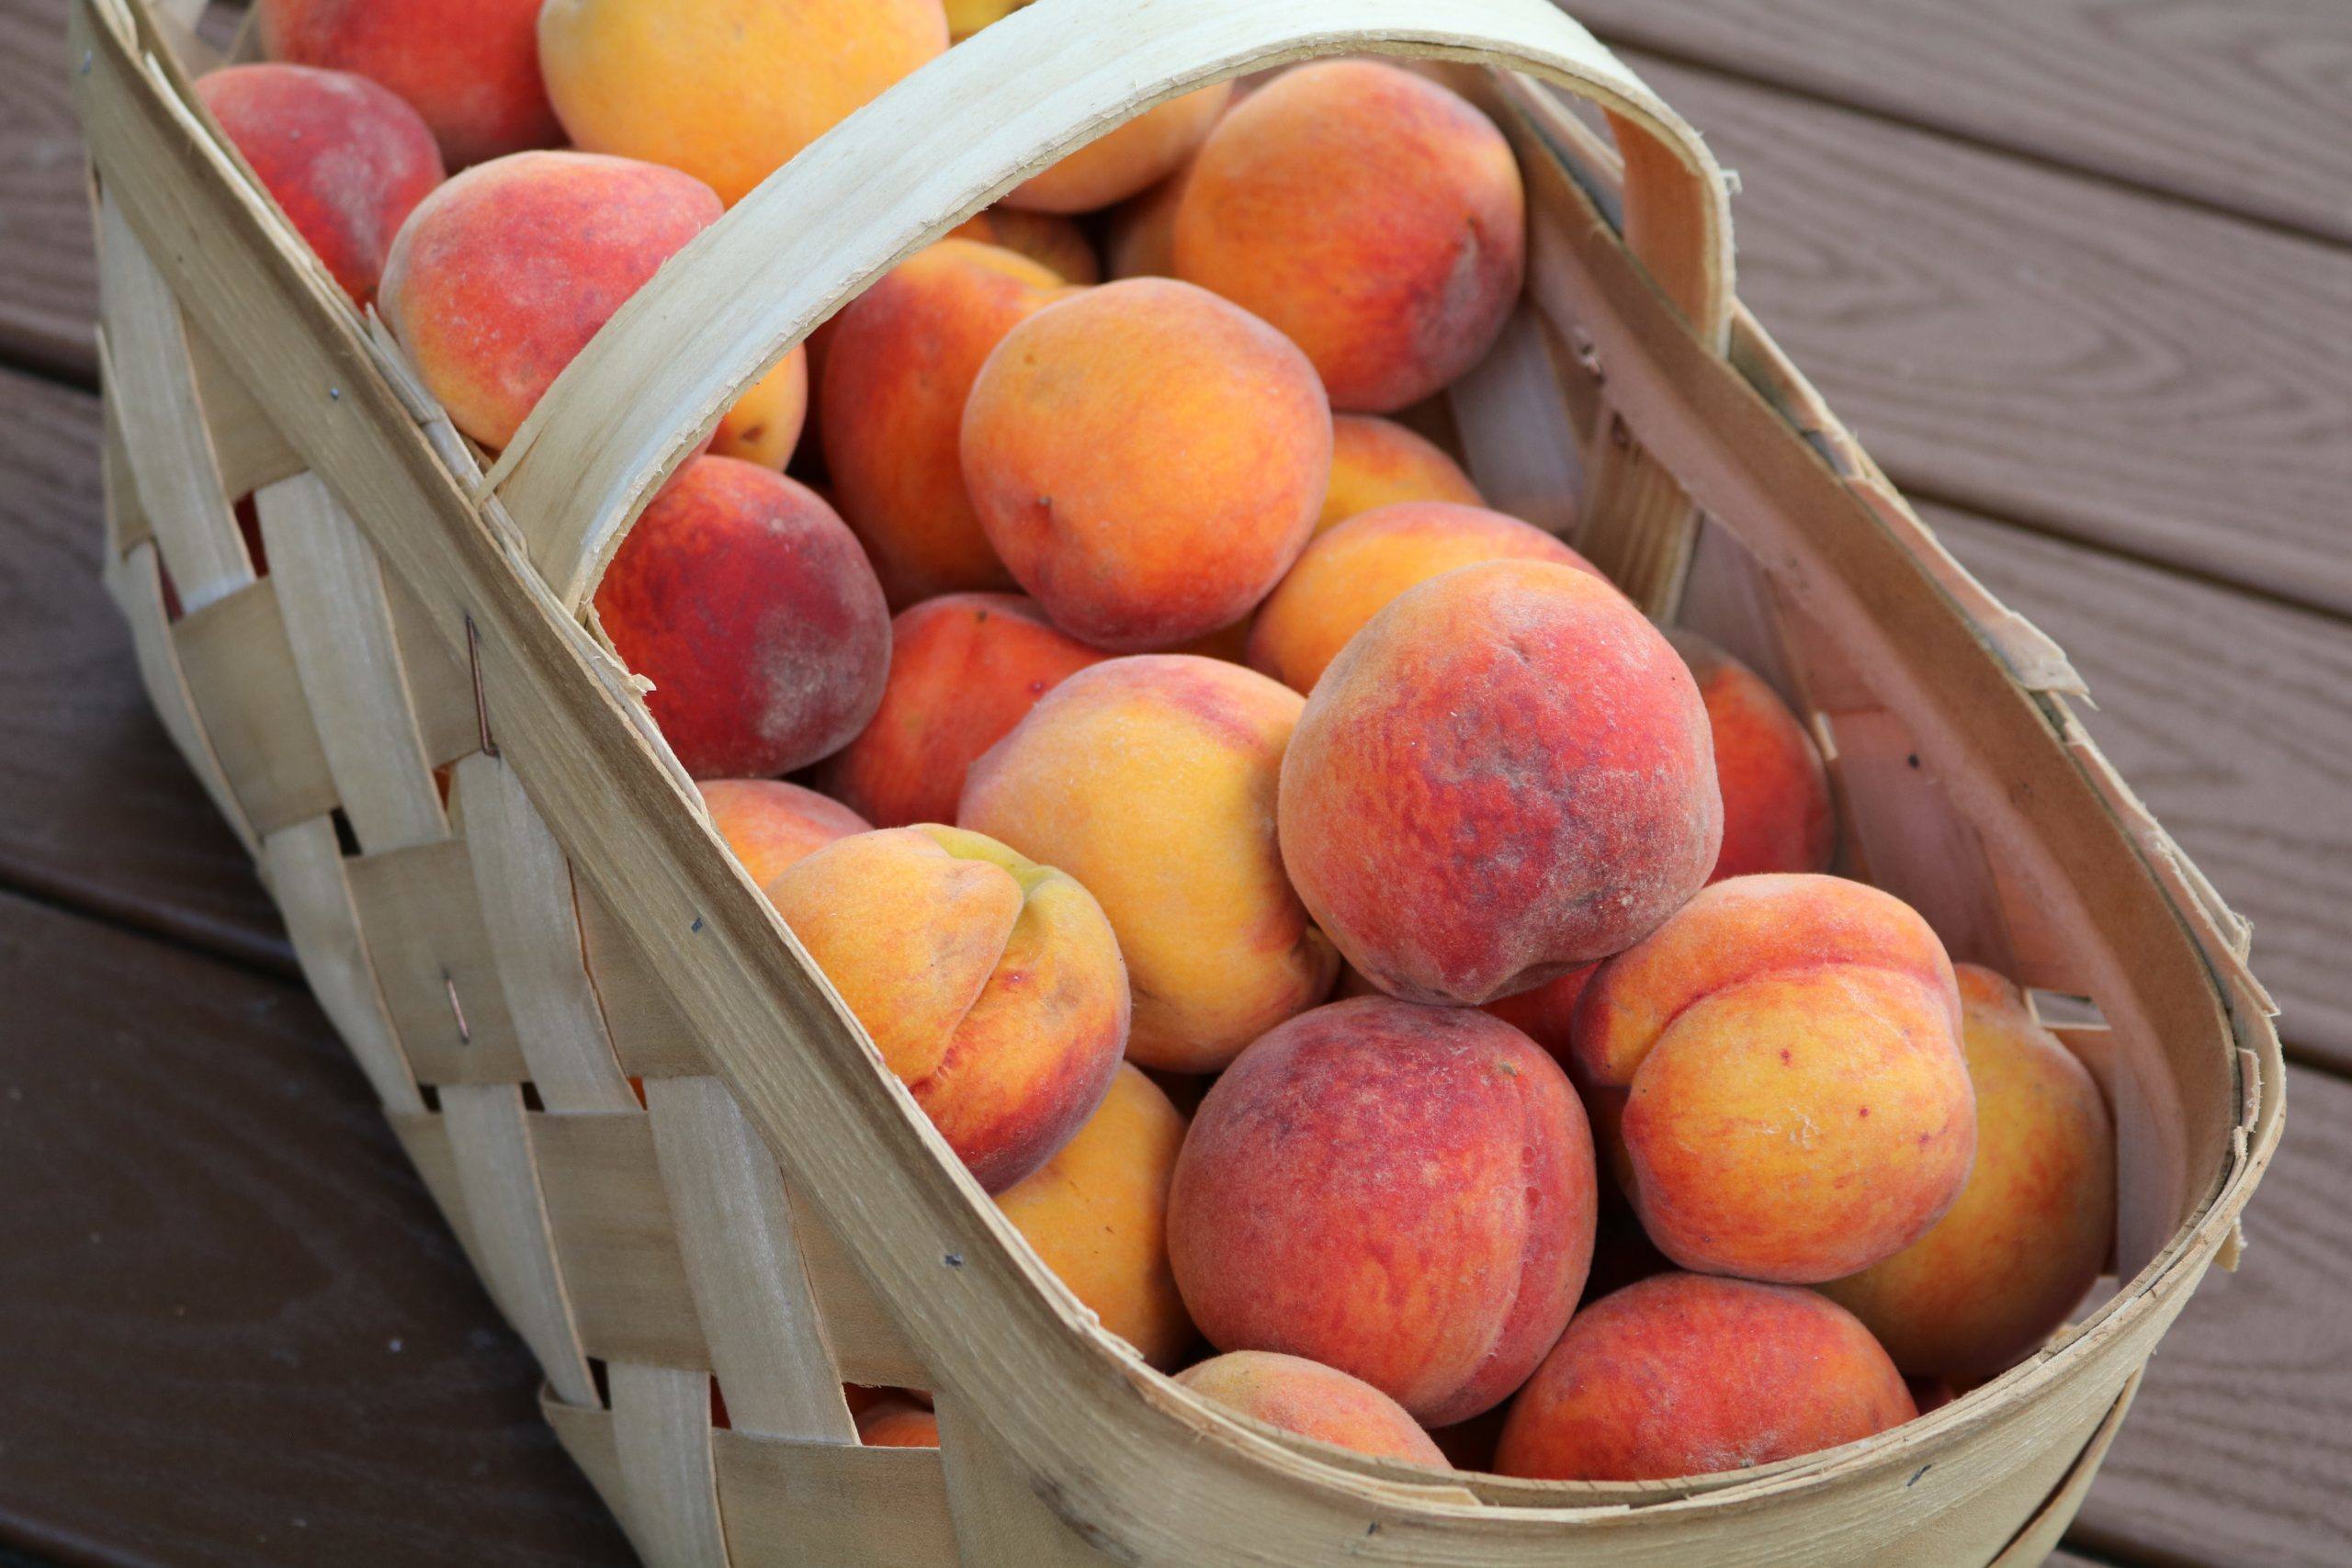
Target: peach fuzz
x,y
965,18
1777,810
1505,774
964,669
1125,159
2029,1233
746,602
1066,446
1687,1375
1097,1213
1151,779
470,68
1311,1400
726,90
768,824
1052,240
900,364
990,984
1377,462
1798,1105
1352,572
763,425
502,275
893,1422
1544,1014
1403,1192
346,160
1371,215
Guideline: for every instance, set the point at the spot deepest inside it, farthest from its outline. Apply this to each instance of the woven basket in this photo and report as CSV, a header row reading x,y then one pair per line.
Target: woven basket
x,y
504,954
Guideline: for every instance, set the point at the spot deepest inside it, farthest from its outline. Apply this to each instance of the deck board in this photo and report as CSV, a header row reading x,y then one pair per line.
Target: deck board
x,y
48,285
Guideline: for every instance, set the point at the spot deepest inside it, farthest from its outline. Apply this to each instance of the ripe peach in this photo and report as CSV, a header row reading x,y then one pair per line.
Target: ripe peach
x,y
768,823
1151,779
346,160
965,18
1123,161
1097,1213
764,425
1377,462
505,273
727,93
1544,1014
1504,775
1777,814
990,984
746,602
1313,1401
1687,1375
1350,574
1371,215
1052,240
964,669
469,67
896,1423
898,369
1403,1192
2029,1233
1067,443
1139,237
1799,1107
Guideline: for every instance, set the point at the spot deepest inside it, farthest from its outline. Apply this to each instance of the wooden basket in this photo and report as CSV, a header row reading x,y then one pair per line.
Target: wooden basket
x,y
777,1213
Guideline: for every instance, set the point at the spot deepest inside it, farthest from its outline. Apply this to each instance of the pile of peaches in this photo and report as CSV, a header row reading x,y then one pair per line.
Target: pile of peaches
x,y
1350,941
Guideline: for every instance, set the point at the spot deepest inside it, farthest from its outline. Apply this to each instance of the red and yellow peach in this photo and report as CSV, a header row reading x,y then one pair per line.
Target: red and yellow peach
x,y
1312,1399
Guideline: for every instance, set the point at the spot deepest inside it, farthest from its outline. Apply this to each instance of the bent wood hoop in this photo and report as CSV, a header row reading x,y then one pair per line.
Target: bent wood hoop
x,y
776,1212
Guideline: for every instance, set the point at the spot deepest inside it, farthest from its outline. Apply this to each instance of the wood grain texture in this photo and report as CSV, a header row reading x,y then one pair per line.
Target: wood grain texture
x,y
2236,103
2227,713
232,1329
48,282
2034,344
95,809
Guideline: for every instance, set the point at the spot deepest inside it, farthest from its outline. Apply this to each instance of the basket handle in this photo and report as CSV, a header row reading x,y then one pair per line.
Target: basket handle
x,y
959,132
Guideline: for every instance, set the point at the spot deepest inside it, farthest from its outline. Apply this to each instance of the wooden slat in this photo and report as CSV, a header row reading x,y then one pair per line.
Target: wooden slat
x,y
669,1482
833,1506
48,285
233,1332
2227,713
2039,346
616,1239
423,922
2238,103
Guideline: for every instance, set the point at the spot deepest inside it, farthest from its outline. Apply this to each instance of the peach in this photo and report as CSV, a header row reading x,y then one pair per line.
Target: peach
x,y
965,18
745,600
505,273
1139,237
763,425
1097,1213
899,367
1504,775
1687,1375
2029,1233
1313,1401
990,984
1371,215
1151,779
729,93
1798,1105
1776,813
1403,1192
895,1423
964,669
768,823
344,159
1066,446
1123,161
1351,573
469,67
1544,1014
1377,462
1052,240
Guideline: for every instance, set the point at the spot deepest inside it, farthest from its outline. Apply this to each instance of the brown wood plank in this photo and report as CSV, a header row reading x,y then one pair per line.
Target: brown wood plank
x,y
2033,344
2239,1446
48,282
232,1327
2227,713
2236,103
95,808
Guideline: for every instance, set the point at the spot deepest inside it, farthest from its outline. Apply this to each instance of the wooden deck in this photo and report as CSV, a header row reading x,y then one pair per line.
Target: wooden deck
x,y
2080,273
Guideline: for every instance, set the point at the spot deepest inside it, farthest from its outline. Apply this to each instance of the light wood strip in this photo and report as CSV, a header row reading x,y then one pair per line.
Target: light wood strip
x,y
750,1290
490,1142
305,866
1517,441
998,1516
239,667
615,1235
251,452
329,592
524,887
649,1035
668,1484
868,1343
801,1505
423,922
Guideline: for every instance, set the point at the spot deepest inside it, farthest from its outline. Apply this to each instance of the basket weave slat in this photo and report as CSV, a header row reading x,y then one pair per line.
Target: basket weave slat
x,y
774,1211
